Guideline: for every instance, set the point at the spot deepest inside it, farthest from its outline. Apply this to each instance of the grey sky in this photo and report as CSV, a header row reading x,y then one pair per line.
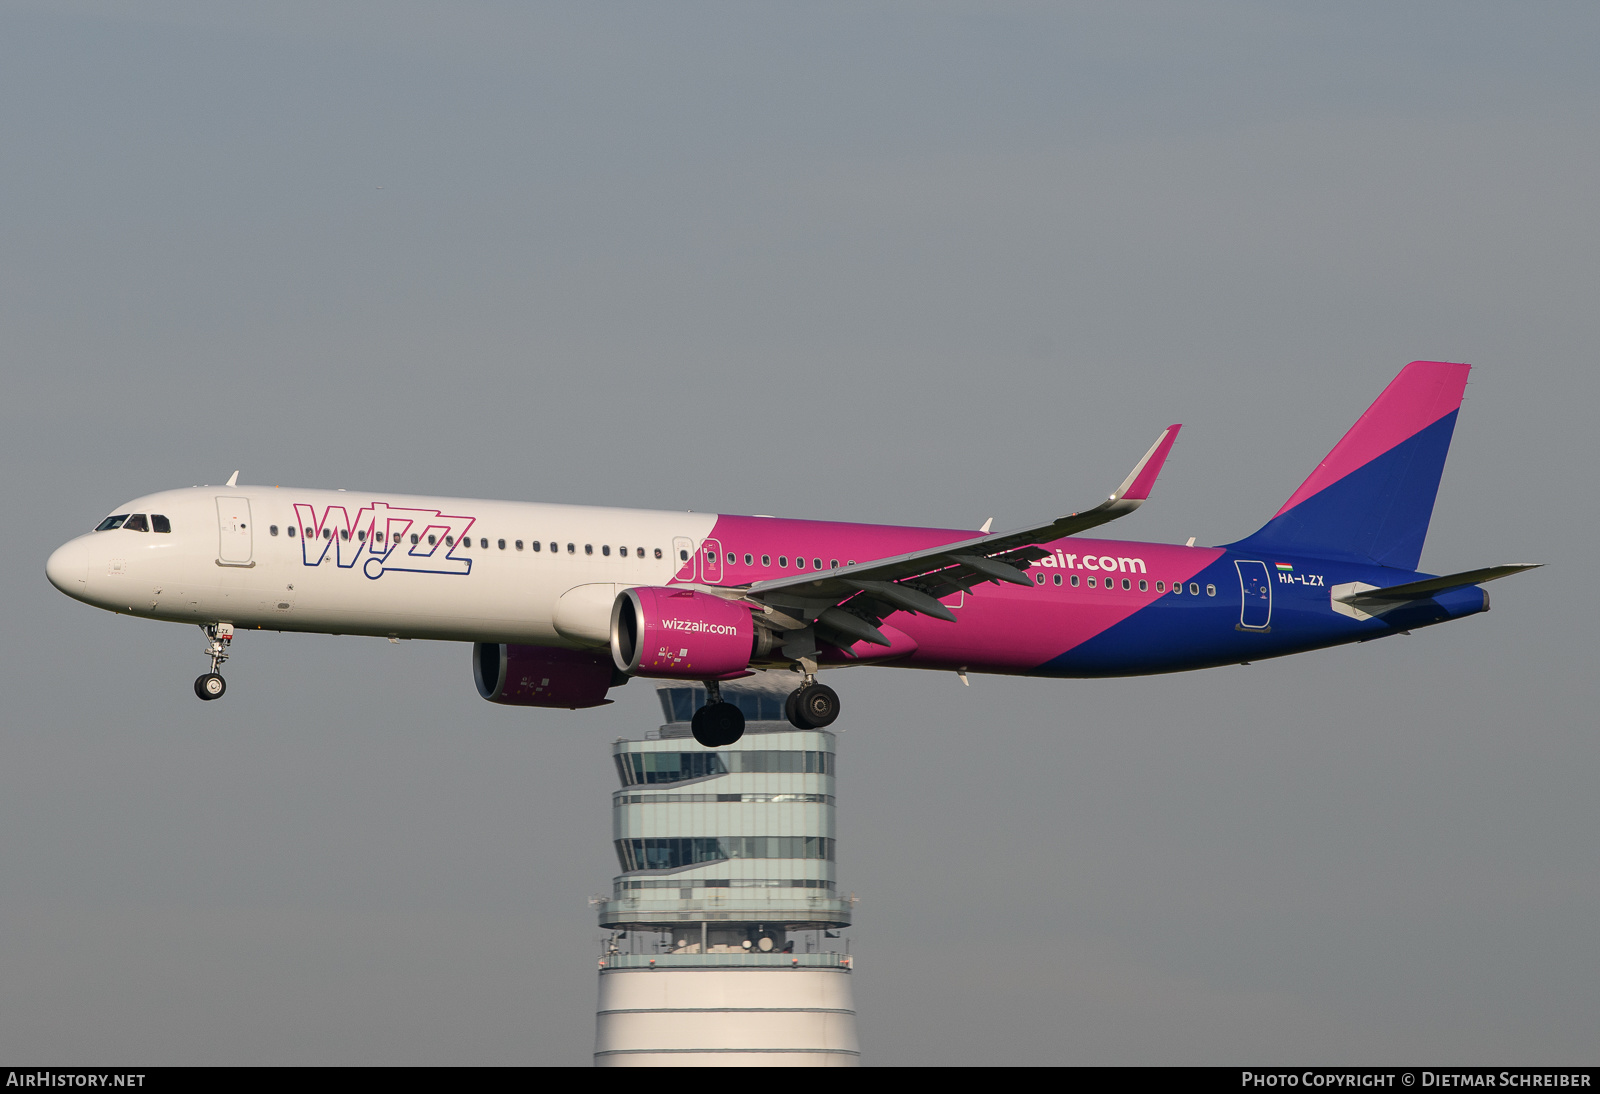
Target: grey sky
x,y
926,263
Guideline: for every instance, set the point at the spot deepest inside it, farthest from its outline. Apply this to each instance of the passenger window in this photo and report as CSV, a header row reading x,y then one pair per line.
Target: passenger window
x,y
816,564
536,545
605,549
783,560
272,529
449,541
484,544
1056,578
519,545
588,548
111,522
833,564
433,541
1091,583
137,523
749,560
1074,581
290,531
732,558
571,550
414,538
344,533
1126,584
1038,579
799,563
1211,590
502,544
309,533
361,535
658,552
683,556
1194,589
1161,586
766,560
1144,587
160,523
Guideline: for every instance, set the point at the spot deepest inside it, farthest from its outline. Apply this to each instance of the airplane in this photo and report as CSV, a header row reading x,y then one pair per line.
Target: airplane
x,y
561,603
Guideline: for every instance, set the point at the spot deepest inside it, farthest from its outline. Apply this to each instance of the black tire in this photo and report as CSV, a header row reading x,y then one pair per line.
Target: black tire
x,y
816,706
210,686
718,724
790,712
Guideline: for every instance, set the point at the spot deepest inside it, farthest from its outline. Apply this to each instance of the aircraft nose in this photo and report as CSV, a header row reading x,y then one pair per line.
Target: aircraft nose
x,y
68,567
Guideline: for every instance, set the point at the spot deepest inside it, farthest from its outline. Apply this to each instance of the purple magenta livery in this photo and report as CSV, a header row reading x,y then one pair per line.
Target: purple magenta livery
x,y
563,603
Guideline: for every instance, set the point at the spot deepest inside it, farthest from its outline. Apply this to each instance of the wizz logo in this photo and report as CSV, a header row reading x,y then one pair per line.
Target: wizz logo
x,y
383,538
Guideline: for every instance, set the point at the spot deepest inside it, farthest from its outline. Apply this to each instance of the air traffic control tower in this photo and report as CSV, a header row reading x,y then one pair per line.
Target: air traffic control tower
x,y
724,947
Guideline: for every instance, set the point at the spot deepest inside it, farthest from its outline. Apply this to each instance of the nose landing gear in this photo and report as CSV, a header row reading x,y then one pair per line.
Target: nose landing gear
x,y
717,723
211,685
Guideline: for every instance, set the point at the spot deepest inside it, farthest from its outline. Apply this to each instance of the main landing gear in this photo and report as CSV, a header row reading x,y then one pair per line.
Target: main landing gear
x,y
211,685
717,723
812,705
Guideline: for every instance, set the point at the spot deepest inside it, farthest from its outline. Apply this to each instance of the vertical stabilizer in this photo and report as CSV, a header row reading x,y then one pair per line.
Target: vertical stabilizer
x,y
1371,498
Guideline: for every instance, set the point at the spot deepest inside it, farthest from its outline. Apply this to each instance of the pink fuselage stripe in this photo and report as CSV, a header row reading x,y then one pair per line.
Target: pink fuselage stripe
x,y
1000,627
1424,392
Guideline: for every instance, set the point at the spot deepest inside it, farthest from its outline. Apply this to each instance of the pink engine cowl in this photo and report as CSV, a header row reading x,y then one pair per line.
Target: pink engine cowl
x,y
542,676
680,634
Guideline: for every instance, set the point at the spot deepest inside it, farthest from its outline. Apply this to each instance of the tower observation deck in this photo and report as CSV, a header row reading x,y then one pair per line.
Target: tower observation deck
x,y
724,945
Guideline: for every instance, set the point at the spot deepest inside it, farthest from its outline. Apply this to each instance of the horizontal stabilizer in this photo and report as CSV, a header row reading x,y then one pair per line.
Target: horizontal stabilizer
x,y
1382,599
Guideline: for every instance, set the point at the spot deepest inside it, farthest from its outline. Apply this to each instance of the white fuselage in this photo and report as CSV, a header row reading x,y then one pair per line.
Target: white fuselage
x,y
242,555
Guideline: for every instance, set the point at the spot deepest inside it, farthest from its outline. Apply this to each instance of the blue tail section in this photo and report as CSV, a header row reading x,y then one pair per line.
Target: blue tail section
x,y
1379,513
1371,498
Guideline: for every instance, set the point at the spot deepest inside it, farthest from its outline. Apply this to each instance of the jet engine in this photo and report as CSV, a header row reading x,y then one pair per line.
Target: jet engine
x,y
542,676
682,634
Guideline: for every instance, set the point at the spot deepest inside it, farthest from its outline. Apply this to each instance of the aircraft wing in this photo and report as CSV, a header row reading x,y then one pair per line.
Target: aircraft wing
x,y
915,581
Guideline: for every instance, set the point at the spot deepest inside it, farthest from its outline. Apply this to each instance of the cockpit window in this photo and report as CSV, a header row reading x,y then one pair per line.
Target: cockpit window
x,y
159,523
111,522
137,523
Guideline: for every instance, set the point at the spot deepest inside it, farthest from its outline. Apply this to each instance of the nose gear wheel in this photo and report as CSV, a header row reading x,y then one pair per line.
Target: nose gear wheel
x,y
219,636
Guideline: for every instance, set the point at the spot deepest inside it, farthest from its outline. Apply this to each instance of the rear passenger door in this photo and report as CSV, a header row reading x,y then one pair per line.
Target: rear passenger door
x,y
1255,589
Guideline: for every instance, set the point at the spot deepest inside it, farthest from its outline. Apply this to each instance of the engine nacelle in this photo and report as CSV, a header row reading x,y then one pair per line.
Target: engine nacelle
x,y
542,676
680,634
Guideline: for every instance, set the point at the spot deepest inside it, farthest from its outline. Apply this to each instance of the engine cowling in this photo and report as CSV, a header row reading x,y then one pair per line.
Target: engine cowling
x,y
680,634
542,676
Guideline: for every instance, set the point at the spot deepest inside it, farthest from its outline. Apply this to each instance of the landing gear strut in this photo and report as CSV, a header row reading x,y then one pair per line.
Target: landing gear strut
x,y
211,685
717,723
